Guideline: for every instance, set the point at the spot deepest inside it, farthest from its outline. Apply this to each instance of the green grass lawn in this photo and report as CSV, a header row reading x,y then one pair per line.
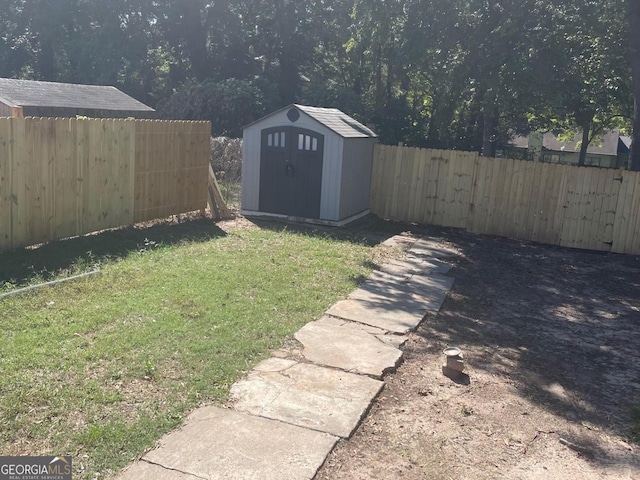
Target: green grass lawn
x,y
100,368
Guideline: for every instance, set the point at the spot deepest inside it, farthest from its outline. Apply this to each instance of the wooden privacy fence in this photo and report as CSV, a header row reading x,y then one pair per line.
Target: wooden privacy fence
x,y
61,177
581,207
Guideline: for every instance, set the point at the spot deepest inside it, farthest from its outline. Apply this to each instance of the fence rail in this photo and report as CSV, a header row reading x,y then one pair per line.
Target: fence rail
x,y
581,207
61,177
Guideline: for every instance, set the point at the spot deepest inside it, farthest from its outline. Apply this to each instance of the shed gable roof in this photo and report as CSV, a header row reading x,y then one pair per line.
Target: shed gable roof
x,y
338,121
30,93
332,118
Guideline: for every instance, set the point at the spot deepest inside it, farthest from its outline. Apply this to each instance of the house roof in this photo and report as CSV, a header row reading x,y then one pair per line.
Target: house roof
x,y
30,93
607,146
626,141
332,118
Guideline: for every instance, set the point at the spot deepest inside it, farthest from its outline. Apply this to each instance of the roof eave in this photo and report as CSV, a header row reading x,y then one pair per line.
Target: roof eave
x,y
295,105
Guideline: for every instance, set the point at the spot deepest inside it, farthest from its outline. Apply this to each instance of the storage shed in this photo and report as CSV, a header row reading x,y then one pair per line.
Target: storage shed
x,y
28,98
307,163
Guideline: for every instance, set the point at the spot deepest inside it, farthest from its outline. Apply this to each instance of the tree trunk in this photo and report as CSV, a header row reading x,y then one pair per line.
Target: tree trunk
x,y
584,145
46,59
379,88
489,131
634,51
289,81
195,39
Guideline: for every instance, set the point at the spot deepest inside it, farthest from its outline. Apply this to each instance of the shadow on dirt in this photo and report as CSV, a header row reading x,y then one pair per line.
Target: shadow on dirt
x,y
562,325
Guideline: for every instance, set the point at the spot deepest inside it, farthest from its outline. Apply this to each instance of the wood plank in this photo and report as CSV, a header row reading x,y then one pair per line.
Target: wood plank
x,y
391,201
433,163
557,204
475,194
64,180
94,171
493,192
526,217
465,187
623,213
567,237
517,192
594,240
538,194
419,204
631,241
6,176
19,204
385,182
444,191
609,205
377,180
459,193
582,218
415,187
38,180
403,183
83,146
504,203
544,211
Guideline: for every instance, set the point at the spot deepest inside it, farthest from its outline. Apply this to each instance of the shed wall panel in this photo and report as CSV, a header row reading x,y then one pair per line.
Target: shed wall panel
x,y
331,177
251,169
357,162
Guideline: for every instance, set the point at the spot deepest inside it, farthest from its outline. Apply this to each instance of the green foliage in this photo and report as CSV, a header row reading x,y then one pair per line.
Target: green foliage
x,y
439,73
229,105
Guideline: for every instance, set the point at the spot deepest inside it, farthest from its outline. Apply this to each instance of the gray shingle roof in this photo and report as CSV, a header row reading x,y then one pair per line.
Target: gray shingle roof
x,y
29,93
608,145
338,121
332,118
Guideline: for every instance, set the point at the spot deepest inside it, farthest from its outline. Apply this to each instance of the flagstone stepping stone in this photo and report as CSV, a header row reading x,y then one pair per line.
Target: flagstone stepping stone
x,y
401,315
431,247
349,346
413,265
426,291
217,443
306,395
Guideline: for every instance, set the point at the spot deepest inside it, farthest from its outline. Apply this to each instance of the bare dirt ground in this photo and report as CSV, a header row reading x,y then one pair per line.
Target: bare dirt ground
x,y
551,339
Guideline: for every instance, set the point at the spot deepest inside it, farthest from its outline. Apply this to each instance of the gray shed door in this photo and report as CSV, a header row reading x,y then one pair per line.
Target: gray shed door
x,y
291,171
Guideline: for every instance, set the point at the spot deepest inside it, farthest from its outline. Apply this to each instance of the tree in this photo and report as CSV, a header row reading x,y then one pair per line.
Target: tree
x,y
634,60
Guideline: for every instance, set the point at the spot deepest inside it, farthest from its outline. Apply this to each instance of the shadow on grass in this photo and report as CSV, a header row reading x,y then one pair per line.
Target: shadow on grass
x,y
20,266
369,230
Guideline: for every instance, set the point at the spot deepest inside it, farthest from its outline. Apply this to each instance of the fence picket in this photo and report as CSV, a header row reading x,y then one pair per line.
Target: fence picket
x,y
6,177
65,177
582,207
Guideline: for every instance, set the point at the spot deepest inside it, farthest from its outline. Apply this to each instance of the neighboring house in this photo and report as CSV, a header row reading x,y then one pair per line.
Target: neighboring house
x,y
610,150
28,98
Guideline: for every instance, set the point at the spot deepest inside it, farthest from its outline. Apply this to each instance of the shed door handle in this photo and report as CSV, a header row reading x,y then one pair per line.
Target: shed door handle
x,y
289,168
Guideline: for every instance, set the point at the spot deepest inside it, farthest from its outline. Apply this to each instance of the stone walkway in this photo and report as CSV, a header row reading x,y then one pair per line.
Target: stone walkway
x,y
289,413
